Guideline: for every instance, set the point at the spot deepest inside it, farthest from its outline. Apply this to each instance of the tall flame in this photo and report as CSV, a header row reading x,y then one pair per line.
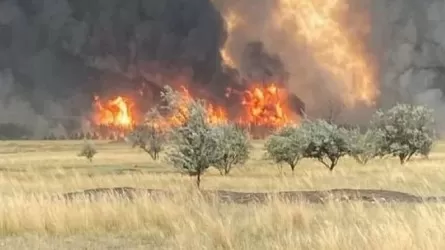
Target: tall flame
x,y
319,24
232,20
115,112
265,105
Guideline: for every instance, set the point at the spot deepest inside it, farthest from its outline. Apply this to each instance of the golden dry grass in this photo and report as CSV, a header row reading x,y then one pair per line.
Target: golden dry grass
x,y
28,220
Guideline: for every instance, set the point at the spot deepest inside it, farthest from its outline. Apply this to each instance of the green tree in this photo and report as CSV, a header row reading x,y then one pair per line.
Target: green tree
x,y
286,146
194,143
364,146
233,147
405,130
325,142
149,136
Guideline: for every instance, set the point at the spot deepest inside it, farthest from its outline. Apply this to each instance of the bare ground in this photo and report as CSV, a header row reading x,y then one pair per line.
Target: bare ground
x,y
365,195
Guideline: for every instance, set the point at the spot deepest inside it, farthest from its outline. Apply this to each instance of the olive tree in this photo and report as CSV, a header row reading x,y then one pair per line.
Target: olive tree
x,y
364,146
325,142
194,143
405,130
149,137
286,146
233,147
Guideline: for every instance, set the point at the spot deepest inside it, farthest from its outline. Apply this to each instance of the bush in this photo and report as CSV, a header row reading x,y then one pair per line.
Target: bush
x,y
286,146
233,147
88,151
325,142
149,136
364,146
405,130
194,143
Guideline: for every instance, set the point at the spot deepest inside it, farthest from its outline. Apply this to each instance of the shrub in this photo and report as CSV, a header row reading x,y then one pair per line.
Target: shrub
x,y
325,142
405,130
286,146
88,151
233,147
194,143
149,136
364,146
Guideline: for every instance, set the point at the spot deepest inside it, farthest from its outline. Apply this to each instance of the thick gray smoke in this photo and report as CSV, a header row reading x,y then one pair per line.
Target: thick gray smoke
x,y
410,37
56,53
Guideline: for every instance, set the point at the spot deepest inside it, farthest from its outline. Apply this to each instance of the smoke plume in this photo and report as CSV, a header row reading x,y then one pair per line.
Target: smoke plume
x,y
56,54
403,43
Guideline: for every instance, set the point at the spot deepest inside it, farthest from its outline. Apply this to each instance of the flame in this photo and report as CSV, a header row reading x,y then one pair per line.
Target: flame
x,y
232,20
266,105
319,24
215,114
263,105
115,112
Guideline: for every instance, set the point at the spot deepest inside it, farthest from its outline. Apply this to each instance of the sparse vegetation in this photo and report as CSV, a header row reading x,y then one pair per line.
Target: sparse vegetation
x,y
405,130
195,146
88,151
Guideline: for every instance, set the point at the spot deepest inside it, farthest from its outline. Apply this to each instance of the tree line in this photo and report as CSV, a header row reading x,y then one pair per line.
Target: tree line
x,y
196,145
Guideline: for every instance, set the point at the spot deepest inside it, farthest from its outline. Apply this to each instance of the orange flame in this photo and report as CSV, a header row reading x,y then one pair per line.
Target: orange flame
x,y
263,105
320,24
115,112
215,114
266,106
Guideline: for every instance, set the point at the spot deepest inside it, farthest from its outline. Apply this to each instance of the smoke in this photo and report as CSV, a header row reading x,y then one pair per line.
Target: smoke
x,y
56,54
403,41
411,45
257,65
60,52
305,76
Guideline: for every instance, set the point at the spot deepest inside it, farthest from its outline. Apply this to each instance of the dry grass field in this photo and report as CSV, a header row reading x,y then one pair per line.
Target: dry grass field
x,y
30,170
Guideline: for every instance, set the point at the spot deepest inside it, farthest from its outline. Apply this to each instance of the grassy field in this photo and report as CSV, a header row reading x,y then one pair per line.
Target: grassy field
x,y
30,170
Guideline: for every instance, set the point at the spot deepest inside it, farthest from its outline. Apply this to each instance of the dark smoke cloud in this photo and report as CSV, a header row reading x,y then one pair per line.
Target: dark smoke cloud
x,y
258,65
55,54
59,52
410,41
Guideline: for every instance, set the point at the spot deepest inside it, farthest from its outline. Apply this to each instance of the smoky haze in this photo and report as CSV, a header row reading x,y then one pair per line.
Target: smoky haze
x,y
55,54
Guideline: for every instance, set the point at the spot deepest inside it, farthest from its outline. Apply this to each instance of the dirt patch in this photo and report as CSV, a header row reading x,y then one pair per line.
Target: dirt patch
x,y
367,195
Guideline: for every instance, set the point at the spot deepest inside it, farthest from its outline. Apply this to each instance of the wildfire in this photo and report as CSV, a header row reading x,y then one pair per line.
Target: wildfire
x,y
232,20
215,114
265,106
115,112
319,24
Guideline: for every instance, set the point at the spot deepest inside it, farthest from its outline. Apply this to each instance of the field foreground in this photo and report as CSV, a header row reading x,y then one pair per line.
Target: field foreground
x,y
31,173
